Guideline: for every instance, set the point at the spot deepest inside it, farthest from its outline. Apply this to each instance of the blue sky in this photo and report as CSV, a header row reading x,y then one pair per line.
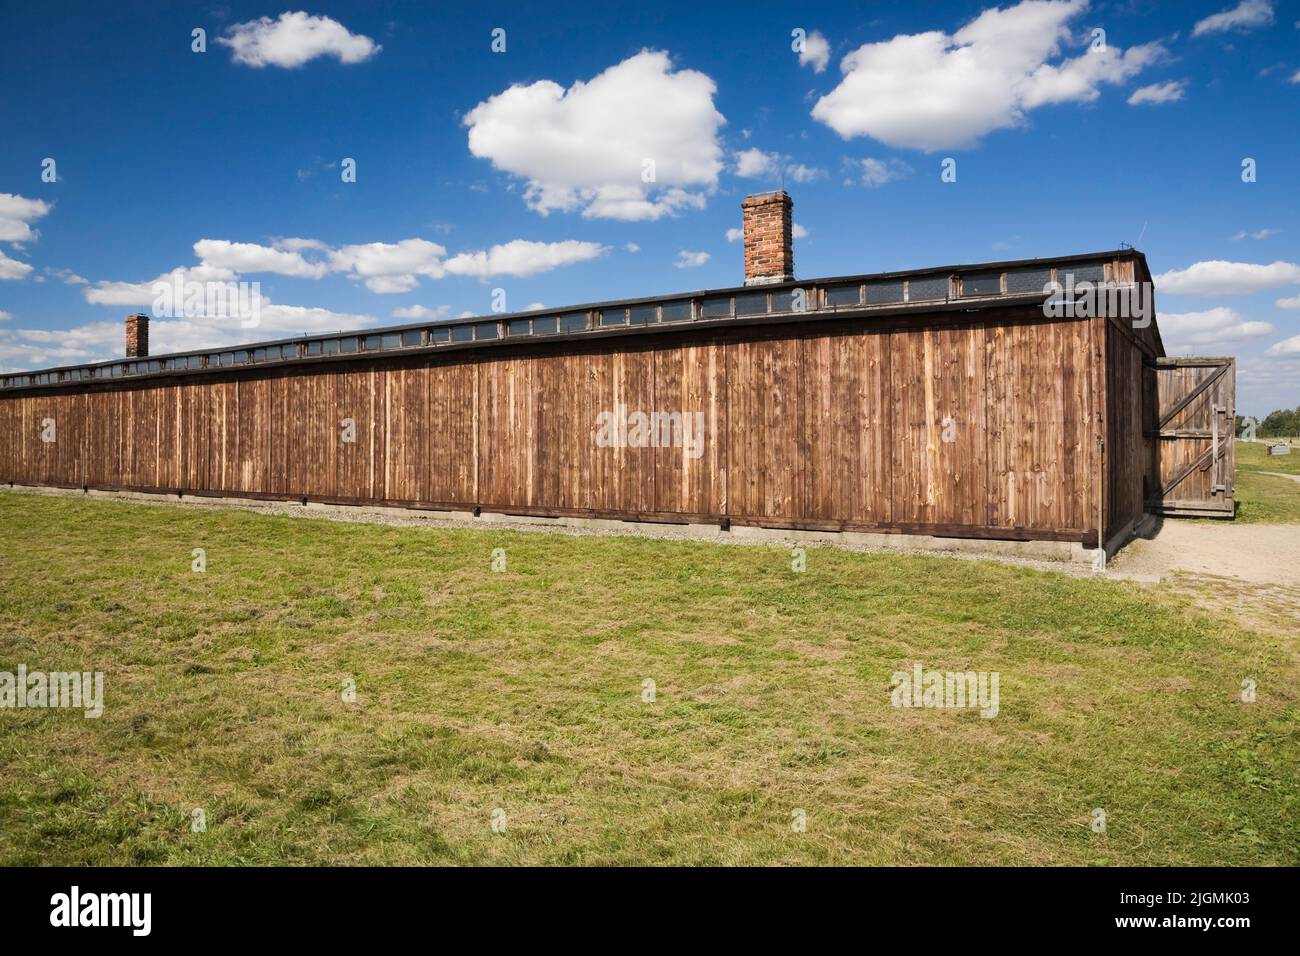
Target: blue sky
x,y
524,170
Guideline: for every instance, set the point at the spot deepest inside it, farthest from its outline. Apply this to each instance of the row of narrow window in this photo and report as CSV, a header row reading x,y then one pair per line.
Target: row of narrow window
x,y
882,292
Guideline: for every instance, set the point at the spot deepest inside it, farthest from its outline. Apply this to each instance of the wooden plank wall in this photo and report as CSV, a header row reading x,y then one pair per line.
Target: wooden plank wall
x,y
839,425
1129,451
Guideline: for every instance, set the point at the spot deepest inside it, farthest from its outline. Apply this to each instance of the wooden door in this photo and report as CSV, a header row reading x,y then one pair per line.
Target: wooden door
x,y
1195,415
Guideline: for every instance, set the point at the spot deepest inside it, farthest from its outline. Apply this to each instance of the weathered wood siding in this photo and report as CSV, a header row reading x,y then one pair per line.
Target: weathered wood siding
x,y
837,424
1195,401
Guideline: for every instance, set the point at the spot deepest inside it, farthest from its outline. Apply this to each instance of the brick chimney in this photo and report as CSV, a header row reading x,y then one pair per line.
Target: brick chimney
x,y
137,335
769,247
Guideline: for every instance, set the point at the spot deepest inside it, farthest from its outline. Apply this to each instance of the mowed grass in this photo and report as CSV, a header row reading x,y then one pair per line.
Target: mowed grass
x,y
522,691
1264,498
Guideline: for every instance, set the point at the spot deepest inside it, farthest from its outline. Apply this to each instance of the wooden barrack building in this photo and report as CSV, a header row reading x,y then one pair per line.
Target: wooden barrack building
x,y
952,401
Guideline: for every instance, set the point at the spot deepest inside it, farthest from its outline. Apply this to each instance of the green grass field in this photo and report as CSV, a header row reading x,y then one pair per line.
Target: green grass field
x,y
1264,498
522,691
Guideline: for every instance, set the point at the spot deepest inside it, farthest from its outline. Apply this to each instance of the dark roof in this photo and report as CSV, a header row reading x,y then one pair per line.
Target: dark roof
x,y
735,306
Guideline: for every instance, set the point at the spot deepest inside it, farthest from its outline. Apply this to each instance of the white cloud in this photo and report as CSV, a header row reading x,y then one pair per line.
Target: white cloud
x,y
16,215
386,268
816,52
12,268
294,39
1257,234
1076,80
418,312
6,316
1244,17
587,147
534,307
142,293
1291,303
391,285
299,318
1158,93
873,172
754,163
933,90
391,267
1266,382
522,257
67,275
735,234
1216,277
691,260
1213,326
1296,78
301,245
1289,346
224,316
800,173
246,257
632,247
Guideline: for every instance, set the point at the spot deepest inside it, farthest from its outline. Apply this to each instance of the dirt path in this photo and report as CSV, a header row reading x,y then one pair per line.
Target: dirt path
x,y
1280,474
1258,553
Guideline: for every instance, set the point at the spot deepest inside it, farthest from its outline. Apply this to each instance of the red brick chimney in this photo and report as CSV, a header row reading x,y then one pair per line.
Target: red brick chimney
x,y
137,335
769,245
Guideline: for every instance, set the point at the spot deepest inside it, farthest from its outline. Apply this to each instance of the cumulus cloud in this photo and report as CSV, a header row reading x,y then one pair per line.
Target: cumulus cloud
x,y
248,257
754,163
691,260
735,234
1244,17
1289,346
933,90
1291,303
1220,325
6,316
295,39
1216,277
1158,93
386,268
632,247
391,267
421,313
12,268
637,142
522,257
142,293
816,52
16,215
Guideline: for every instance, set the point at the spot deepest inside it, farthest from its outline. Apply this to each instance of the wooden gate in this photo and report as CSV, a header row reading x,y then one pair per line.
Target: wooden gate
x,y
1196,408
